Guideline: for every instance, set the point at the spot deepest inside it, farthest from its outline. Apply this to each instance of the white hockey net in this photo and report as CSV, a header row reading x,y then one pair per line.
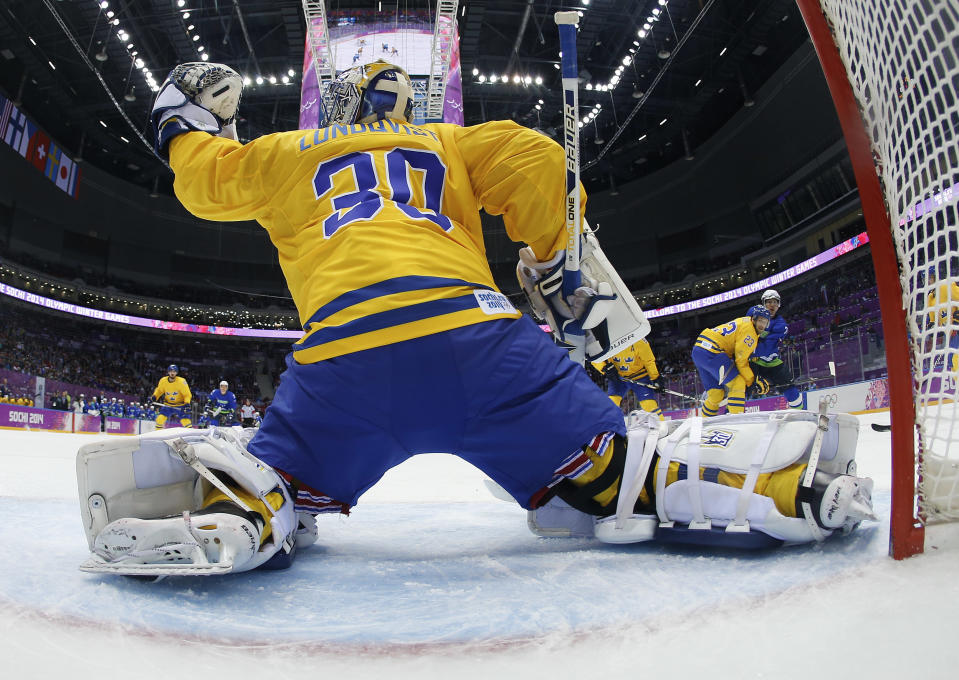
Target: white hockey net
x,y
902,61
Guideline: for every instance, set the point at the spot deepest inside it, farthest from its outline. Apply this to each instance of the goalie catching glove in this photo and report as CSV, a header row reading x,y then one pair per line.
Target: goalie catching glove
x,y
196,96
602,306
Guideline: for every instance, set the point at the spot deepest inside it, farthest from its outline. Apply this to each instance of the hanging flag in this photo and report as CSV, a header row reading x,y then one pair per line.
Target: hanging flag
x,y
52,170
5,109
18,130
38,148
67,175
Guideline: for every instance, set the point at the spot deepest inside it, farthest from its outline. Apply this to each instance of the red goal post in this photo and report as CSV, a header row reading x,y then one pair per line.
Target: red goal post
x,y
891,67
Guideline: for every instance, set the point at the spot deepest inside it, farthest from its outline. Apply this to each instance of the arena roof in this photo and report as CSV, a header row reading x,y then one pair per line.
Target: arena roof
x,y
679,80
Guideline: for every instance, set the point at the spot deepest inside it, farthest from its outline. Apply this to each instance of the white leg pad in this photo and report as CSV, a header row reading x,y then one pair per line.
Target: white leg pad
x,y
748,444
161,476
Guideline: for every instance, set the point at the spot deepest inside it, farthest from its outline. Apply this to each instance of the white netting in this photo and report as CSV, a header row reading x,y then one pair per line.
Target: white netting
x,y
902,58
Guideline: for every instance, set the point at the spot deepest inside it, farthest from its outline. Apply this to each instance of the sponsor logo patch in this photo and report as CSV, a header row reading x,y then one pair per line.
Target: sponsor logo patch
x,y
717,438
492,302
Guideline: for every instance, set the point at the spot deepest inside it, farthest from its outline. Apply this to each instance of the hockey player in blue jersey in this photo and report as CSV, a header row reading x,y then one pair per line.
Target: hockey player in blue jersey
x,y
221,405
766,361
377,227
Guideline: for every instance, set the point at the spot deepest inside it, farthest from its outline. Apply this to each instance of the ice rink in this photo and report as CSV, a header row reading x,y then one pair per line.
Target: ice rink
x,y
413,50
431,577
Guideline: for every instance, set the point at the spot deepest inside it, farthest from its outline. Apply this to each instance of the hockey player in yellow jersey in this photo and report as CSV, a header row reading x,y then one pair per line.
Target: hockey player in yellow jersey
x,y
173,392
721,356
633,369
943,304
376,221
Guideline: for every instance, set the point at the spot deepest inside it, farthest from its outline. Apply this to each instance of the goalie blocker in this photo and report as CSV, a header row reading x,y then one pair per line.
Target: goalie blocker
x,y
691,508
185,502
606,310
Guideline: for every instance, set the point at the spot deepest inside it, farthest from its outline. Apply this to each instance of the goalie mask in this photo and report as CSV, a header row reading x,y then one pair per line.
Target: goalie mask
x,y
371,92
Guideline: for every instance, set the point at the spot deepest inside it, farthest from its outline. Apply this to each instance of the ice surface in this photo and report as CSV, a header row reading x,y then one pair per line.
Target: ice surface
x,y
431,576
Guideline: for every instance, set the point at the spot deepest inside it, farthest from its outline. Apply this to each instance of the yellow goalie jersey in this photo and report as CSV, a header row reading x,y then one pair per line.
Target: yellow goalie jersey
x,y
377,225
736,339
636,362
173,393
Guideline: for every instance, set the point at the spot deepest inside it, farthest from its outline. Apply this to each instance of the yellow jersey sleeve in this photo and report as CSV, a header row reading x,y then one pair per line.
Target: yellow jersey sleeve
x,y
746,341
185,390
645,355
520,174
720,339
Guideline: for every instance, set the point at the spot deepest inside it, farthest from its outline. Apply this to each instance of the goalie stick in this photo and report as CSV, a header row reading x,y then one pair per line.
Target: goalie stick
x,y
566,25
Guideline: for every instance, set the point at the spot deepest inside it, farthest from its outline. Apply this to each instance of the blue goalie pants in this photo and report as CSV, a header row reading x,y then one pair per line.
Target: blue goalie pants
x,y
498,394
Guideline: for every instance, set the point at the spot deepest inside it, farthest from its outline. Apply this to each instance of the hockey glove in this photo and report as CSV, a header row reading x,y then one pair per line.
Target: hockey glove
x,y
655,386
761,386
196,96
543,284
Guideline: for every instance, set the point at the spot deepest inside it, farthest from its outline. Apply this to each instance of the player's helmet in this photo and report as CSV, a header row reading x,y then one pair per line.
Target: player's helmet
x,y
757,311
173,367
224,383
370,92
771,295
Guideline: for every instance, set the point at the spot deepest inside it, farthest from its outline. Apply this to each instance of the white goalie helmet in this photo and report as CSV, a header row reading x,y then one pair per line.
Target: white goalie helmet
x,y
370,92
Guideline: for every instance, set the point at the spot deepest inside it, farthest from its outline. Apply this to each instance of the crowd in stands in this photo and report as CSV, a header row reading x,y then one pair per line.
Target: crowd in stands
x,y
99,357
96,357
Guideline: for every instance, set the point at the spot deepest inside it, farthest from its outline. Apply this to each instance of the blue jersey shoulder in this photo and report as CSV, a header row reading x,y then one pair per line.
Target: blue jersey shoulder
x,y
768,346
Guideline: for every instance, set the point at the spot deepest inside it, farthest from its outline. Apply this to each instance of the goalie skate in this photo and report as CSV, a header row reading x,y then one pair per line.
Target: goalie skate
x,y
217,543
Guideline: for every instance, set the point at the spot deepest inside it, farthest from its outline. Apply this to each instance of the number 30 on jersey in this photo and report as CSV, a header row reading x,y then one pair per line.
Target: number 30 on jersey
x,y
365,203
